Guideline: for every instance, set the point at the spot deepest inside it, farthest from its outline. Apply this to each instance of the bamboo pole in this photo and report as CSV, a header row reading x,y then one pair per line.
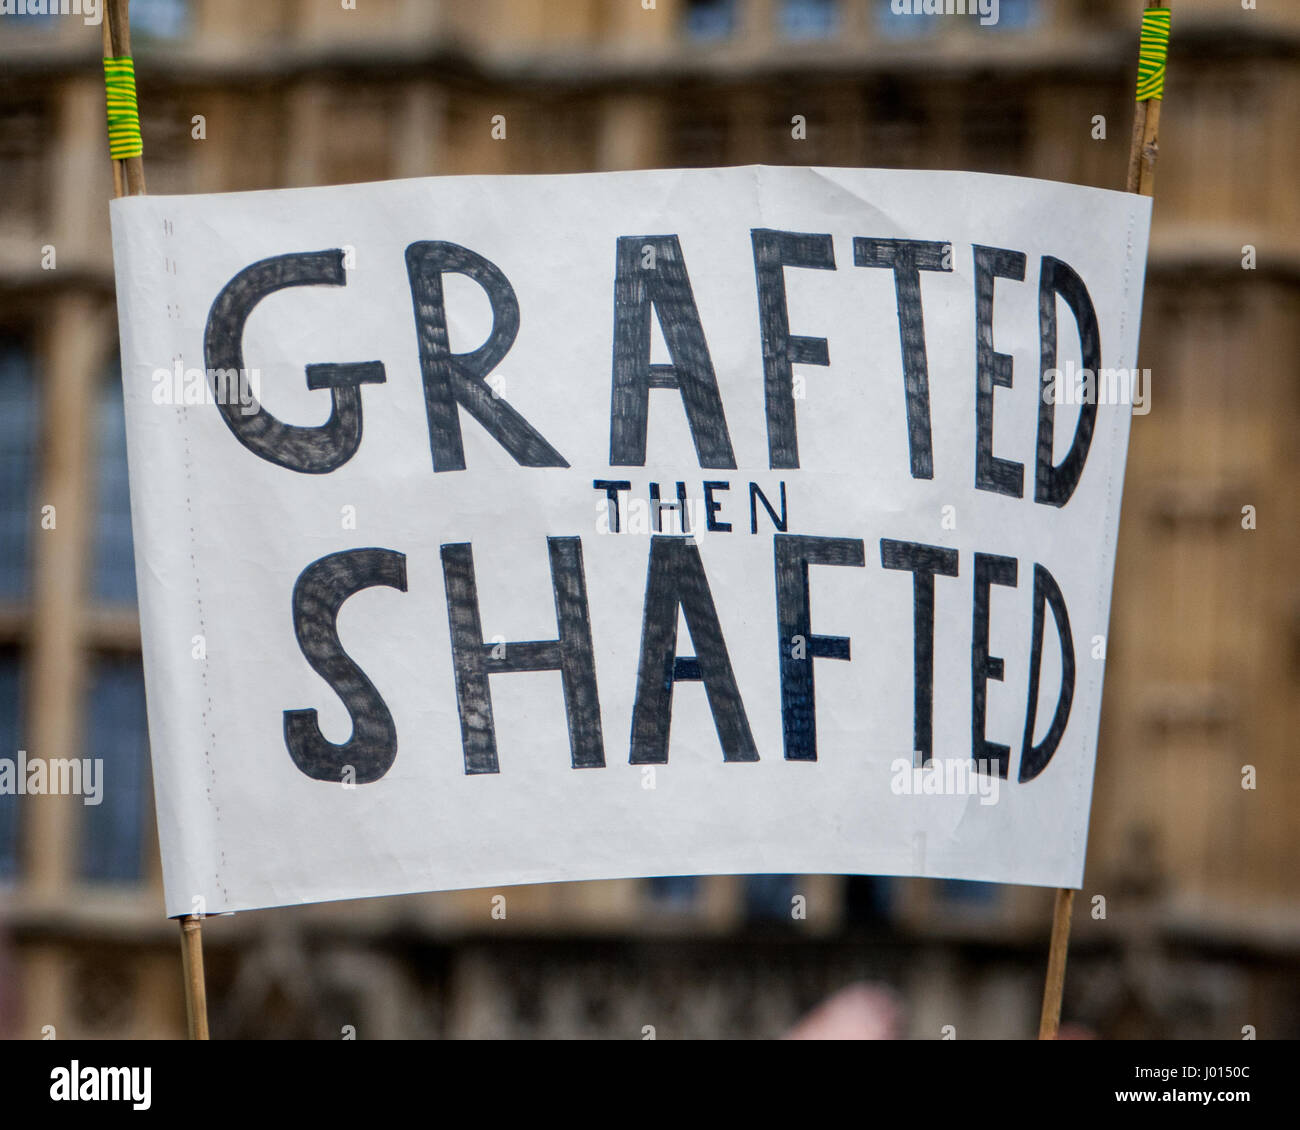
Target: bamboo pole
x,y
128,175
1050,1020
1144,148
196,992
128,180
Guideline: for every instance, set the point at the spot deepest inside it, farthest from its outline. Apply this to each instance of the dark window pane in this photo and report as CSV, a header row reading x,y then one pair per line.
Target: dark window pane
x,y
114,574
160,19
18,516
768,897
809,19
897,130
26,156
969,893
25,19
1017,13
113,842
910,17
868,900
905,22
710,19
675,891
10,729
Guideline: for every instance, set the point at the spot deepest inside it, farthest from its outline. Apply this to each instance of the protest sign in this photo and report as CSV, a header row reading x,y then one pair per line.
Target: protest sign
x,y
498,530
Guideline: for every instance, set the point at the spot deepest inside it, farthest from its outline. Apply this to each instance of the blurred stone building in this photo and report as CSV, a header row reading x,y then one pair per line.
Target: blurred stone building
x,y
1201,933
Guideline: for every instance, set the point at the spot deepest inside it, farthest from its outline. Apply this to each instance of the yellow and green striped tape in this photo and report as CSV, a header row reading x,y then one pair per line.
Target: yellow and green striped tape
x,y
123,112
1152,49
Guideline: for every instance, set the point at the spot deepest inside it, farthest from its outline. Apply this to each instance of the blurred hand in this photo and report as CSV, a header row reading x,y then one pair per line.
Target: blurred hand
x,y
859,1012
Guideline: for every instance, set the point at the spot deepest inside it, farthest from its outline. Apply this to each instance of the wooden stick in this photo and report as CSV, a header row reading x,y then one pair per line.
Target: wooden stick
x,y
128,180
1050,1020
196,992
1147,149
1134,178
128,175
1144,148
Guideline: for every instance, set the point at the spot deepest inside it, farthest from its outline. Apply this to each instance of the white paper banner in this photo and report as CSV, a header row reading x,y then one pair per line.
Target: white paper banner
x,y
409,466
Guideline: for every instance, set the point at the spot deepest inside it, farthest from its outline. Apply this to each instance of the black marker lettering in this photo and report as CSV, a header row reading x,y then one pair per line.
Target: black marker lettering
x,y
676,579
1055,485
1034,758
318,595
992,370
309,450
907,258
799,647
452,379
773,252
571,654
665,288
990,569
923,562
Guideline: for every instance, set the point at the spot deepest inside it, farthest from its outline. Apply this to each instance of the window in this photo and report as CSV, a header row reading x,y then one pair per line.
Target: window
x,y
18,515
10,739
868,900
26,126
918,17
1017,14
809,19
903,20
768,898
966,892
112,848
710,19
674,892
25,19
897,126
160,19
114,560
